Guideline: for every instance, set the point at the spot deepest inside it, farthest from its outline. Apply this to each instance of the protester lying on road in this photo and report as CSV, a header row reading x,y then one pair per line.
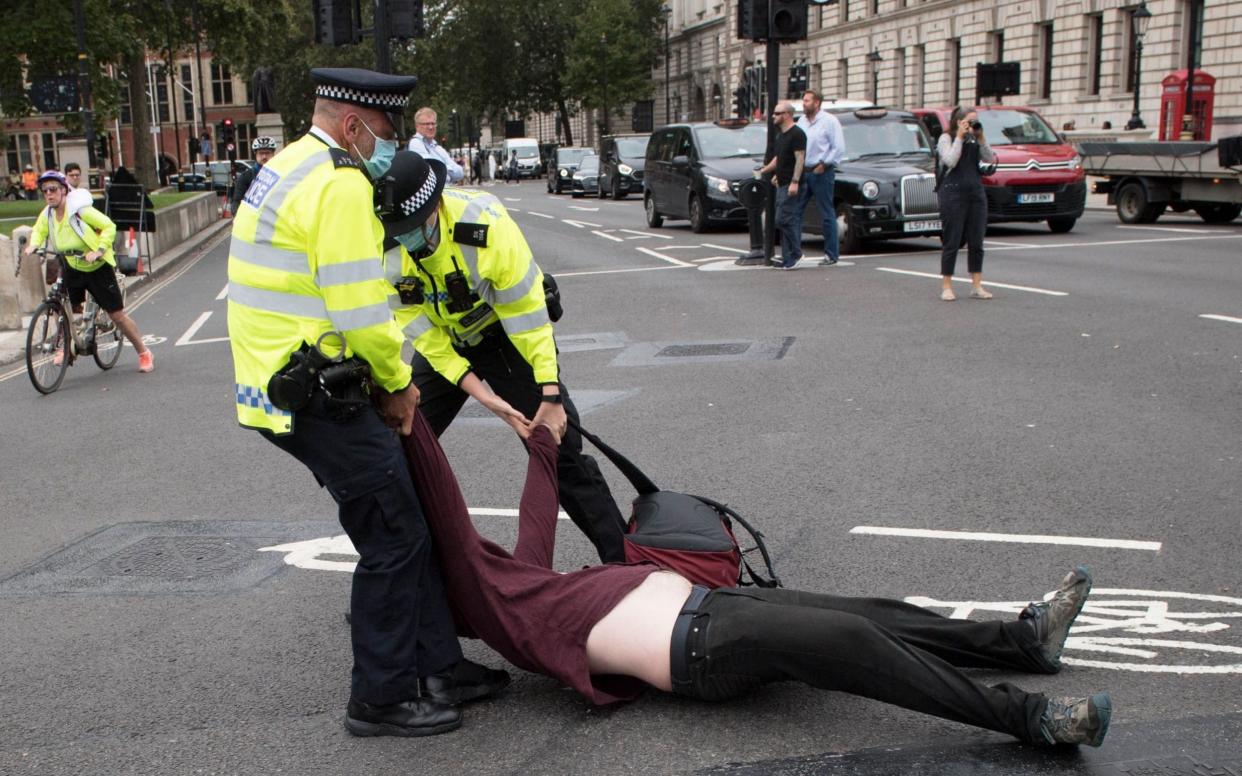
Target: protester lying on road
x,y
610,631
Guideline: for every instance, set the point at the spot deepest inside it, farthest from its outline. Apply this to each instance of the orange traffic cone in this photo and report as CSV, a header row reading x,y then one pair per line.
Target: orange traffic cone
x,y
131,243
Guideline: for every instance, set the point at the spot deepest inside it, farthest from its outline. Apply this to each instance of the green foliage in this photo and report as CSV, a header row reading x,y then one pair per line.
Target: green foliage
x,y
613,52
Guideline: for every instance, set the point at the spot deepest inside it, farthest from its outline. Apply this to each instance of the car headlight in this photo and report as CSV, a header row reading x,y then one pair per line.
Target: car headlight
x,y
871,189
564,172
719,184
1076,162
625,169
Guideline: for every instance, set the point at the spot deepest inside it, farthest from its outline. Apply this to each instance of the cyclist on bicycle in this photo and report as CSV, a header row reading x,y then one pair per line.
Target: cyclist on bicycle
x,y
87,231
264,149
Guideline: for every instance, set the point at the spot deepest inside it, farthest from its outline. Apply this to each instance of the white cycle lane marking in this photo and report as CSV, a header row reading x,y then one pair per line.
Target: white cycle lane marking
x,y
979,536
1148,618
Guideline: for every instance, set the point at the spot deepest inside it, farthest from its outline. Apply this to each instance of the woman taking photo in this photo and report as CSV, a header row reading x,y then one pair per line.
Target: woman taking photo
x,y
963,204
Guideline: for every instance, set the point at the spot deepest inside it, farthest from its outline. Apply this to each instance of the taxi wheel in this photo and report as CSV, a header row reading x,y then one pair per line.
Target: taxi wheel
x,y
698,215
654,219
848,237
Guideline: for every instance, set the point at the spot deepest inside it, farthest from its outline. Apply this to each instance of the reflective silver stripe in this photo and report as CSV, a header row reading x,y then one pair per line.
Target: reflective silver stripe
x,y
518,291
522,323
346,272
276,197
394,302
361,317
392,265
278,301
269,256
418,327
469,252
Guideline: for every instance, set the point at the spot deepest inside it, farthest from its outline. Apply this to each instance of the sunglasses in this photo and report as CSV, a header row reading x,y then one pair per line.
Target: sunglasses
x,y
779,112
51,190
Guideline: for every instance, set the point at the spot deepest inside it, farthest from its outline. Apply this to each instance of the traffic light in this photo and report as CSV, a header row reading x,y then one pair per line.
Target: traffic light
x,y
788,20
226,131
799,79
740,103
752,19
336,22
405,19
101,141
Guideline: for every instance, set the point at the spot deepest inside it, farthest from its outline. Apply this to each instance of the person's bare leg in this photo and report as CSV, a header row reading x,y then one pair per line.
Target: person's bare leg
x,y
129,329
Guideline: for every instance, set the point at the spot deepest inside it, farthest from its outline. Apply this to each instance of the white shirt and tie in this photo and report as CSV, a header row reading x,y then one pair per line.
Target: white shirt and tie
x,y
428,148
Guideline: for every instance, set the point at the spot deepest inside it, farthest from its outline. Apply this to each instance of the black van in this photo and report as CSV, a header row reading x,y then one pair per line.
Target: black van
x,y
694,170
621,165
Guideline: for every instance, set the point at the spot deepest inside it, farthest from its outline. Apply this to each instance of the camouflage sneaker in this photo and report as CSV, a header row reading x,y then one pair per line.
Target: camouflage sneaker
x,y
1052,619
1077,720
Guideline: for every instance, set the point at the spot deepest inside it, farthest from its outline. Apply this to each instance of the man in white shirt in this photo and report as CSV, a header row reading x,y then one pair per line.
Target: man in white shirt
x,y
424,144
825,145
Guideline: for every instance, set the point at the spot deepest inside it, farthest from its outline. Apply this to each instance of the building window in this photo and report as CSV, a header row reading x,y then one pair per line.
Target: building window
x,y
49,151
998,46
920,75
1045,61
161,95
245,136
18,153
900,75
1095,52
186,87
126,116
843,78
955,70
221,84
817,78
875,7
1192,35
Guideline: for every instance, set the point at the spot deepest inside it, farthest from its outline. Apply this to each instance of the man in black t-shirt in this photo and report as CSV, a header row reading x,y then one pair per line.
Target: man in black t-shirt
x,y
786,163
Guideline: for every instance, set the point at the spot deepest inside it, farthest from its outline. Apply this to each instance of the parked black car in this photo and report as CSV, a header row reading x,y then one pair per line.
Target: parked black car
x,y
621,165
885,184
561,170
586,177
693,171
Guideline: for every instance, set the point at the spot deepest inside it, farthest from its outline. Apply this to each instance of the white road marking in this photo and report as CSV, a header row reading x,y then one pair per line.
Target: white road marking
x,y
188,337
662,257
513,210
681,247
1163,228
725,248
541,215
224,292
712,258
1225,318
513,199
580,224
967,280
646,234
588,209
978,536
729,265
1005,244
606,236
614,271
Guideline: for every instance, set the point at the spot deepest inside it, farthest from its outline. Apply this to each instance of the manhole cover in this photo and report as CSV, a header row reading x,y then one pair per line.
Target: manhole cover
x,y
711,349
174,557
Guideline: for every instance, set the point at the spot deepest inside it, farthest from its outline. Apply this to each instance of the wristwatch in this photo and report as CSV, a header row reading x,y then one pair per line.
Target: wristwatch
x,y
554,398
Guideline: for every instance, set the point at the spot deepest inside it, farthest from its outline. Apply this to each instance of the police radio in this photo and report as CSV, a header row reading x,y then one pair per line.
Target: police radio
x,y
460,298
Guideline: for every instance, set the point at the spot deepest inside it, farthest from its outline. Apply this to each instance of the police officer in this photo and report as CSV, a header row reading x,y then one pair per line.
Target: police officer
x,y
472,302
307,297
264,148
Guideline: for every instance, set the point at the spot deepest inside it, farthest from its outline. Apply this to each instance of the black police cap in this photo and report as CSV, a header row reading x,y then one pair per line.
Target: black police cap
x,y
356,86
409,192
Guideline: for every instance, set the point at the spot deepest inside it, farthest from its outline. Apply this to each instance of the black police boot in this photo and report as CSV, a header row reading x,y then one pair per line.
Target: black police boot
x,y
417,717
465,681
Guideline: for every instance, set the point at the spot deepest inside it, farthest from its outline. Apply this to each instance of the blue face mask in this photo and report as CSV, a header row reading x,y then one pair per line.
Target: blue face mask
x,y
422,238
381,157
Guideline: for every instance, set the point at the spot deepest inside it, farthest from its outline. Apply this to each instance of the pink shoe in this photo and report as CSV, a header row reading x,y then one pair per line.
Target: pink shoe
x,y
59,358
146,361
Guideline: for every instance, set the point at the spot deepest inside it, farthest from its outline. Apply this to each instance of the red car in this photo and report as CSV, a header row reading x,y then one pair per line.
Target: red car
x,y
1038,176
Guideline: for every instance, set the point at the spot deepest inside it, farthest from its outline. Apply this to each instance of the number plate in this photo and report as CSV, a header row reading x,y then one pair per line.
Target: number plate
x,y
921,226
1031,199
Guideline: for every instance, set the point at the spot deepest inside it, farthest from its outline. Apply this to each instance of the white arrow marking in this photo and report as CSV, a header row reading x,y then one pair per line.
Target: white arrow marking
x,y
646,234
541,215
581,224
188,337
662,257
606,236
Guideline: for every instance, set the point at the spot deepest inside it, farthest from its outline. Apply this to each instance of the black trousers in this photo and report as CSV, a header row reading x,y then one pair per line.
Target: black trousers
x,y
401,624
964,215
878,648
583,491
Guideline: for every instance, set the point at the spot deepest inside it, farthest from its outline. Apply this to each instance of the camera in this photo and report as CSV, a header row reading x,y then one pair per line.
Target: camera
x,y
976,125
461,298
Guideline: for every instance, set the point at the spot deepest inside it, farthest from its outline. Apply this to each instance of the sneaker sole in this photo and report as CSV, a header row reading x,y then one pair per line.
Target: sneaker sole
x,y
364,729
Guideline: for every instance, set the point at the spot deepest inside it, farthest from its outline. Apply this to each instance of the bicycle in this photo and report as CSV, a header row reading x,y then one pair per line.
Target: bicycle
x,y
55,339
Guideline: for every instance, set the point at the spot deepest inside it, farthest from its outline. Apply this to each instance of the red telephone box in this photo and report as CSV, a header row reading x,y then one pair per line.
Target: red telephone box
x,y
1174,117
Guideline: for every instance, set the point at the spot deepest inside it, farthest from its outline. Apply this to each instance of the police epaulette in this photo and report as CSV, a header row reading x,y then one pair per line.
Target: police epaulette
x,y
466,233
341,158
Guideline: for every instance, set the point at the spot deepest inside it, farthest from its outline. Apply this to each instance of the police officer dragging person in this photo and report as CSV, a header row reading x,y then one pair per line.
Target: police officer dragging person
x,y
473,303
264,149
311,334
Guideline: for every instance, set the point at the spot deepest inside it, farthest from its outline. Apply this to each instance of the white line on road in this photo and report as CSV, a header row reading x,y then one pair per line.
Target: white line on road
x,y
541,215
646,234
588,209
224,292
581,224
1004,244
616,271
490,512
606,236
1078,541
725,248
712,258
513,199
681,247
1225,318
967,280
188,337
1163,229
662,257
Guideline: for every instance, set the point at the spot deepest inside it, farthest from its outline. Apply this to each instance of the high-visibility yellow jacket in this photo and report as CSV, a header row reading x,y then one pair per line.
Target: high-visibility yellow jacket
x,y
305,259
82,232
503,274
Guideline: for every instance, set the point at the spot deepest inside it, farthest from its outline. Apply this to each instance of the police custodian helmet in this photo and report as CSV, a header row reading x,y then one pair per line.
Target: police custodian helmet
x,y
356,86
407,195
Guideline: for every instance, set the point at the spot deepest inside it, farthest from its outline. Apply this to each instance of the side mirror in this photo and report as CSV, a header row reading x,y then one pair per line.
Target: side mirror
x,y
681,160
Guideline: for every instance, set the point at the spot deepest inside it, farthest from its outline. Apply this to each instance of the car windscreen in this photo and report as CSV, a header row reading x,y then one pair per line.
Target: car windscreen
x,y
884,138
570,155
631,147
589,164
1007,127
720,143
526,152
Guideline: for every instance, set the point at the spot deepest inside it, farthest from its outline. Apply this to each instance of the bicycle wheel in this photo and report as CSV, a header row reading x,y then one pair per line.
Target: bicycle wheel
x,y
108,341
46,340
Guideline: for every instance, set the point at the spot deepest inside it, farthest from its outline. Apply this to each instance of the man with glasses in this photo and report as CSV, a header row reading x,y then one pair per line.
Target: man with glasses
x,y
787,160
73,174
424,144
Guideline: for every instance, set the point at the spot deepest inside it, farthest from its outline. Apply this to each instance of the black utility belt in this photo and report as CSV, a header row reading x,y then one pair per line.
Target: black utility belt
x,y
310,373
488,338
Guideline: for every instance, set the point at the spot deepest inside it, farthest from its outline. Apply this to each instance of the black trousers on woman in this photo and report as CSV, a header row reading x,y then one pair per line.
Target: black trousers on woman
x,y
964,216
878,648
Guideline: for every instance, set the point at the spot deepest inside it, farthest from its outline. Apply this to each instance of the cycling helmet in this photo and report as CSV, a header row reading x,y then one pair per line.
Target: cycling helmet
x,y
54,175
263,143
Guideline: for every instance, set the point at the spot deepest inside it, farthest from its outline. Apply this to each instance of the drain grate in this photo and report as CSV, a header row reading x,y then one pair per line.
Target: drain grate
x,y
174,558
706,349
703,352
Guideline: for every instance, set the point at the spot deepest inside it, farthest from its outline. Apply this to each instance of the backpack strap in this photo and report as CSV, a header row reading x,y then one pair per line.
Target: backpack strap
x,y
772,580
641,482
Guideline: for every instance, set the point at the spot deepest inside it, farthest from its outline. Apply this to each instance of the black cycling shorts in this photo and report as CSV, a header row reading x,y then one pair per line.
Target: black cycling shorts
x,y
101,283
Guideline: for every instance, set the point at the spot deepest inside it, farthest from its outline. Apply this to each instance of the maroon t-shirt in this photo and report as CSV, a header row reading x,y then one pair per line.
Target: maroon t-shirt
x,y
536,618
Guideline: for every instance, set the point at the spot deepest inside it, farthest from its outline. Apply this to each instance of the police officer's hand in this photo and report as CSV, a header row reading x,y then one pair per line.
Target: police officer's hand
x,y
553,416
505,411
398,409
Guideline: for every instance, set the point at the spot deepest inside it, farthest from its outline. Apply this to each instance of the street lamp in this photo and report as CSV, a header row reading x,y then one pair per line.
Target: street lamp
x,y
1139,19
603,52
666,12
875,59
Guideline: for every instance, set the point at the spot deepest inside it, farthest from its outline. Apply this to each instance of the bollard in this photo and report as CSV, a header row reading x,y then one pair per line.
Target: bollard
x,y
753,194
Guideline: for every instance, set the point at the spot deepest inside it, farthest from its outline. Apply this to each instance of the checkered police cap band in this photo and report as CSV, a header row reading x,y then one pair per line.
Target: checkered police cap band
x,y
385,100
411,205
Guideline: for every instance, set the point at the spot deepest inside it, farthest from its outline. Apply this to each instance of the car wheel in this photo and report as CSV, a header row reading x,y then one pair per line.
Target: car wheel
x,y
1220,213
1133,207
617,193
654,219
549,185
1061,224
848,237
698,215
601,192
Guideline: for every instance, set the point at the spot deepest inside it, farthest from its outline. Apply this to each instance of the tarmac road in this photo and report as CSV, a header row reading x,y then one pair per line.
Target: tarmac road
x,y
962,455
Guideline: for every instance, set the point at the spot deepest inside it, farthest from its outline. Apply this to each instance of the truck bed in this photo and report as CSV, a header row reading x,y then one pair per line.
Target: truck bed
x,y
1174,159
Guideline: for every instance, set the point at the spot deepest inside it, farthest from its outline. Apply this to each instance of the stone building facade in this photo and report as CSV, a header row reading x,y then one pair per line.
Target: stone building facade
x,y
1076,56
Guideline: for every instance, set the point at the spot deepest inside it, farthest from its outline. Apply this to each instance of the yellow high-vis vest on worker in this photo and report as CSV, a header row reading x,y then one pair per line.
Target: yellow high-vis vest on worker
x,y
306,259
497,263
